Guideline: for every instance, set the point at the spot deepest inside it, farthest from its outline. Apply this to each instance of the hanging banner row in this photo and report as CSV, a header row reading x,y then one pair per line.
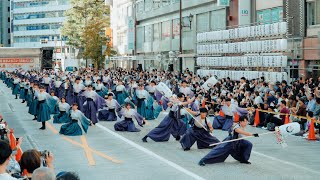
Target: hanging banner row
x,y
265,30
243,61
267,46
236,75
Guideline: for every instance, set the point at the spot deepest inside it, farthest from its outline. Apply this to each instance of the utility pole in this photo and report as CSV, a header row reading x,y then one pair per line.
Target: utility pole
x,y
180,38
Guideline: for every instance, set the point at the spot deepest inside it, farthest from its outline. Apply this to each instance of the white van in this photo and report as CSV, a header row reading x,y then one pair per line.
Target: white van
x,y
70,69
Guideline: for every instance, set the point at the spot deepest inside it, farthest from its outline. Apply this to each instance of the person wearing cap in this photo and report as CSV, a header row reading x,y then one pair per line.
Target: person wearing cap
x,y
93,103
229,109
63,116
108,113
79,123
200,132
239,150
172,124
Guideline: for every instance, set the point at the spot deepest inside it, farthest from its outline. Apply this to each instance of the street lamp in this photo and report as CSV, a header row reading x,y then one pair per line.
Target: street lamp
x,y
190,17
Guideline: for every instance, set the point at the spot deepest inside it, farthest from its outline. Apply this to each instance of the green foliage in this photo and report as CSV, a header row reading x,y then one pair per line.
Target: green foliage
x,y
84,26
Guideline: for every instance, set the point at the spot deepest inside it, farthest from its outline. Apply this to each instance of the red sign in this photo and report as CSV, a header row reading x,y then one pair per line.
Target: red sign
x,y
15,60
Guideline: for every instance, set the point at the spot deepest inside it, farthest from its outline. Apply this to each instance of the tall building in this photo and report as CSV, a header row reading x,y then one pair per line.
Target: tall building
x,y
121,14
37,23
5,23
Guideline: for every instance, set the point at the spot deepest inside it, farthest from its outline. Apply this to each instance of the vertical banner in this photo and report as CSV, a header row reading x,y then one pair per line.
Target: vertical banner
x,y
244,12
131,32
224,3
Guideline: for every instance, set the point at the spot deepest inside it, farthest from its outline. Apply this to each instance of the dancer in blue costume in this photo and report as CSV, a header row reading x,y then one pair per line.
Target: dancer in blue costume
x,y
200,132
46,81
101,89
57,89
171,124
73,128
45,102
63,116
111,109
226,122
239,150
121,92
33,110
55,104
77,90
29,96
142,95
127,124
16,86
93,103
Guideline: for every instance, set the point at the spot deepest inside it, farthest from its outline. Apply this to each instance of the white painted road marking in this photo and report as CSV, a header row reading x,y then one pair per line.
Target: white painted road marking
x,y
147,151
286,162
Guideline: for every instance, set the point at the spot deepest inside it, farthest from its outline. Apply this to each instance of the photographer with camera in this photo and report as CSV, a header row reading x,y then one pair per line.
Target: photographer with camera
x,y
33,159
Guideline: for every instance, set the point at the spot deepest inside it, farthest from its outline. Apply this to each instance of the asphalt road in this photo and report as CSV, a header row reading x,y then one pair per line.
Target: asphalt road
x,y
106,154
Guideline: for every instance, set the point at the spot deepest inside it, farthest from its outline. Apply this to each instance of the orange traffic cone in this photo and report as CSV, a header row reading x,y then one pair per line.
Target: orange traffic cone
x,y
221,113
256,118
12,138
236,117
19,154
312,135
286,120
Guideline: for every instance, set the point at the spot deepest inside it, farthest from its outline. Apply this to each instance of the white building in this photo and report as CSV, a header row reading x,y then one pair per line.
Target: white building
x,y
121,13
36,23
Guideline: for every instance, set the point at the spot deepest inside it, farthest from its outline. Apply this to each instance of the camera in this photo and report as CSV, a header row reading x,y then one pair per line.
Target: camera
x,y
3,131
44,155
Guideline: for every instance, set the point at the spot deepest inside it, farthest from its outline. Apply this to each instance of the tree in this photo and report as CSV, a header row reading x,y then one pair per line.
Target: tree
x,y
84,26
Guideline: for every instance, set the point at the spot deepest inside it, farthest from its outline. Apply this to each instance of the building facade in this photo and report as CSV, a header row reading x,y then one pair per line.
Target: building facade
x,y
5,23
311,43
37,23
121,14
158,30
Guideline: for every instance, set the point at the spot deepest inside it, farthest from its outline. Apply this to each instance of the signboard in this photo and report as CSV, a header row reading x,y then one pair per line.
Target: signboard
x,y
15,60
268,16
131,24
224,3
244,12
17,63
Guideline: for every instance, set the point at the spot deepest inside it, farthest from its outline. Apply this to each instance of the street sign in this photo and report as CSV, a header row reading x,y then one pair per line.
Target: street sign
x,y
225,3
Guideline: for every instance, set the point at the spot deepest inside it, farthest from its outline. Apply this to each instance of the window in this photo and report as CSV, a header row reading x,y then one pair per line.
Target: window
x,y
176,29
8,19
166,30
156,4
156,32
166,2
313,12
